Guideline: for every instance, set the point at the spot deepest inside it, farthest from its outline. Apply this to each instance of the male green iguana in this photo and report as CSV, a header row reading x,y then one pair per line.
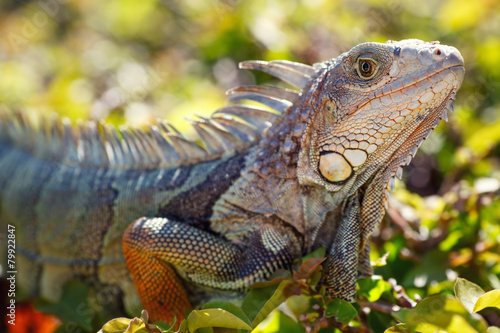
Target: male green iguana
x,y
267,187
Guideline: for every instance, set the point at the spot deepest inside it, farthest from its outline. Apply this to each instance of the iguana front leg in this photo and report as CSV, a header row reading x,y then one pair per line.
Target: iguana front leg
x,y
350,253
342,264
153,246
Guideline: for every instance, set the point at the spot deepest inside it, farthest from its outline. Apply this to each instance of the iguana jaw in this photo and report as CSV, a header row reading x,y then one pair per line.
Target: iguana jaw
x,y
389,119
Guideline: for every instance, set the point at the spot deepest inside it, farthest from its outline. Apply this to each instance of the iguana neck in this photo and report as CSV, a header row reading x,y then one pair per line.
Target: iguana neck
x,y
278,151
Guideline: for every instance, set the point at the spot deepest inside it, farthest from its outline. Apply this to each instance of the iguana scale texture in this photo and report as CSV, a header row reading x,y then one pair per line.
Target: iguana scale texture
x,y
146,216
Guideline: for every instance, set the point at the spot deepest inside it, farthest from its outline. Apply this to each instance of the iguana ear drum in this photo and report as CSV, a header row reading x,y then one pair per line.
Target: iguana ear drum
x,y
334,167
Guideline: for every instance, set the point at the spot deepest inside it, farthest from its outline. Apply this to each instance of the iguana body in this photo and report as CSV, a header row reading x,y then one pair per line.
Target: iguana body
x,y
231,214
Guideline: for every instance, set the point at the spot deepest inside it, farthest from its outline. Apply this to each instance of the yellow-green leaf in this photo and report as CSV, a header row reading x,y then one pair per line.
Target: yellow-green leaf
x,y
467,293
214,318
446,313
276,299
493,329
319,253
136,325
118,325
231,308
124,325
372,288
399,328
489,300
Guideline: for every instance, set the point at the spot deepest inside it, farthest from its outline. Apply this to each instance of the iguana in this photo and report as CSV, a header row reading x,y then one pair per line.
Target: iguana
x,y
180,221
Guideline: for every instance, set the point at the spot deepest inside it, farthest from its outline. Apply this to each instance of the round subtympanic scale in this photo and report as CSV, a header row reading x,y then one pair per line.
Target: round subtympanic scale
x,y
334,167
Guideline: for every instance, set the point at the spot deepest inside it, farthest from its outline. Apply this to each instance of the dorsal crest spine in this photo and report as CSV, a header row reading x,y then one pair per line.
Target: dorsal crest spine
x,y
230,129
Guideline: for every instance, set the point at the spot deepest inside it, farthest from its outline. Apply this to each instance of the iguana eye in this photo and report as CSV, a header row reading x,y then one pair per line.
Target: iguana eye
x,y
366,67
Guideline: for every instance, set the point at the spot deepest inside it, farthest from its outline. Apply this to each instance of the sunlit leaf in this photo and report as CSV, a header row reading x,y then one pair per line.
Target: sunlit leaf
x,y
467,293
118,325
445,312
276,299
255,299
278,322
399,328
229,307
372,288
493,329
489,300
214,318
298,304
125,325
135,325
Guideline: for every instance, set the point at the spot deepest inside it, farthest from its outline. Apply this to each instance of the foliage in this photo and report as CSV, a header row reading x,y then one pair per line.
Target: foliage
x,y
306,308
133,61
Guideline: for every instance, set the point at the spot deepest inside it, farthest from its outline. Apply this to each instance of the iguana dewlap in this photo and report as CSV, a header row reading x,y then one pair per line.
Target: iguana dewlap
x,y
269,184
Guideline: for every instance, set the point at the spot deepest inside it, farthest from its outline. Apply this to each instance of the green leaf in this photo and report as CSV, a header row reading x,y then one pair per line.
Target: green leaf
x,y
205,330
401,314
164,327
278,322
489,300
229,307
214,318
183,326
399,328
136,325
118,325
72,307
298,304
372,288
379,321
255,299
467,293
276,299
446,313
319,253
342,310
493,329
125,325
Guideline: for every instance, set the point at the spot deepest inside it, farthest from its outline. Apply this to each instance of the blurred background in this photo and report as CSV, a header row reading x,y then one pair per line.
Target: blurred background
x,y
129,61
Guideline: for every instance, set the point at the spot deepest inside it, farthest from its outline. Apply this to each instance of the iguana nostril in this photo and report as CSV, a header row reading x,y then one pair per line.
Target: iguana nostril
x,y
438,53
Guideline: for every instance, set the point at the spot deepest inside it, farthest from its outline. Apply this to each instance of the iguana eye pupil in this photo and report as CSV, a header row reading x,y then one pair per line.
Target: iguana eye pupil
x,y
366,68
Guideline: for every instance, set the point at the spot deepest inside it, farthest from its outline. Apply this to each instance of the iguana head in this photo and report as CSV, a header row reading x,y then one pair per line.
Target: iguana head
x,y
375,106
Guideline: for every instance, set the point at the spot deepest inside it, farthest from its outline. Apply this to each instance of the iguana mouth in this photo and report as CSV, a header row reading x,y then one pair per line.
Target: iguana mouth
x,y
441,112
